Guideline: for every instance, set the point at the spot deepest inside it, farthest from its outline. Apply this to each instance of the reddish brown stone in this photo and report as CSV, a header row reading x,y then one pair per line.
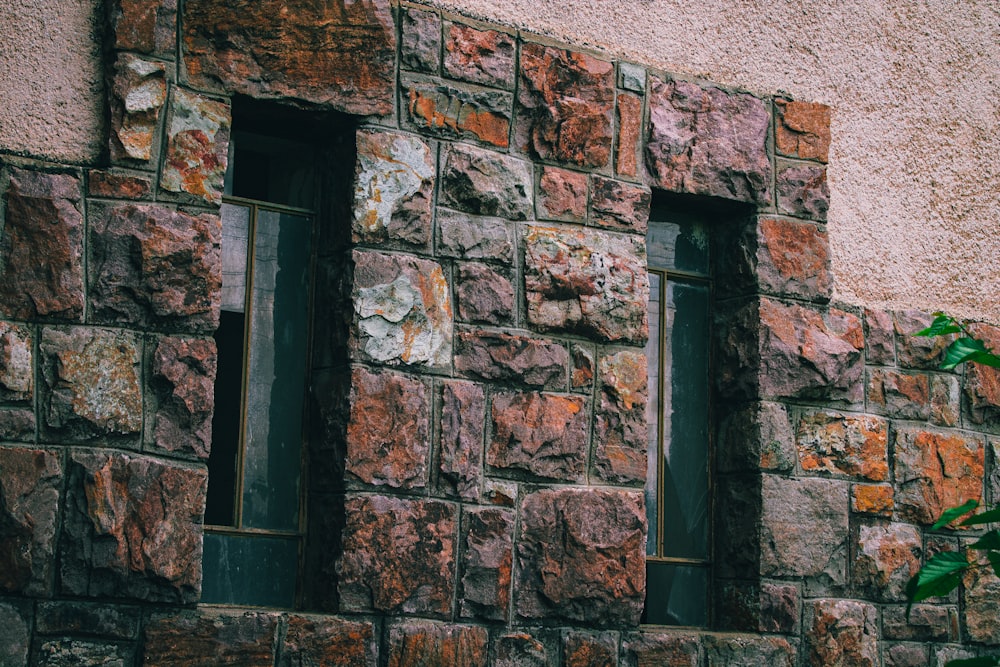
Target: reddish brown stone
x,y
413,643
887,556
132,528
543,434
562,194
802,191
802,130
582,372
982,600
482,182
566,101
118,185
184,385
500,493
208,638
483,295
618,205
663,649
879,340
146,26
197,147
982,383
935,471
17,424
139,91
898,394
629,129
924,622
919,352
945,400
851,445
420,43
29,504
758,436
338,55
488,563
707,141
793,259
581,556
327,640
17,370
875,499
41,248
155,267
905,655
479,56
449,112
841,632
582,649
748,650
520,649
465,236
497,356
780,606
398,556
461,432
621,429
388,435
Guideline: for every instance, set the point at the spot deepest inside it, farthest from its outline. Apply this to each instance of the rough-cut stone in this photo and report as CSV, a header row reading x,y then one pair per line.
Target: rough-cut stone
x,y
207,638
82,653
904,655
489,355
458,113
880,345
500,493
562,194
402,309
197,147
146,26
155,267
326,640
393,189
461,432
629,130
17,372
584,649
945,400
413,643
587,282
982,383
875,499
926,622
566,100
398,556
30,486
483,295
935,471
581,556
779,608
707,141
479,56
420,42
618,205
852,445
478,181
919,352
520,649
898,394
338,55
139,91
744,650
982,601
804,531
621,429
41,247
666,649
758,436
15,636
17,424
793,259
472,237
101,183
184,385
802,130
887,556
840,633
943,655
543,434
86,618
487,563
632,77
92,383
582,371
802,191
388,434
132,528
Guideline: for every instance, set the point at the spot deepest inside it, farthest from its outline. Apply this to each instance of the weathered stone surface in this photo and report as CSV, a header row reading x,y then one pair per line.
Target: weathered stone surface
x,y
398,556
154,267
566,100
875,499
982,383
744,650
758,436
880,345
802,191
420,43
707,141
41,247
887,556
82,653
101,183
582,371
30,486
339,55
457,113
138,93
542,434
197,146
804,531
852,445
793,259
146,26
132,528
982,601
17,424
92,383
904,655
581,556
621,430
780,606
919,352
487,563
587,282
402,310
943,655
17,371
15,634
388,435
629,129
86,618
802,129
945,400
562,194
841,633
584,649
207,638
926,622
184,385
935,471
498,356
393,189
479,56
662,649
632,77
520,649
500,493
618,205
898,394
327,640
472,237
461,433
423,643
478,181
483,295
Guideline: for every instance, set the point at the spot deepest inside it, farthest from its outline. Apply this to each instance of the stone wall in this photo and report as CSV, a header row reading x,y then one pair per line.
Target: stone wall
x,y
475,484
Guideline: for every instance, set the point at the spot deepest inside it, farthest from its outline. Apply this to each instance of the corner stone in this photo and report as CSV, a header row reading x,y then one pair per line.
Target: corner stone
x,y
29,500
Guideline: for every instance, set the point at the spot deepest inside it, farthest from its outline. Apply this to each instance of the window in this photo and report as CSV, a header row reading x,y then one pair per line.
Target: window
x,y
254,518
678,550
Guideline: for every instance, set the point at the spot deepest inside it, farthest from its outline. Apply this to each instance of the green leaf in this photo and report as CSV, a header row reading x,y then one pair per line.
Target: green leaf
x,y
987,359
953,513
965,349
985,661
941,326
989,516
939,576
988,542
994,559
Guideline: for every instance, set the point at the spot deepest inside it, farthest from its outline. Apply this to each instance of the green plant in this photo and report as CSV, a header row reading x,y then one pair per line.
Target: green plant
x,y
943,572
